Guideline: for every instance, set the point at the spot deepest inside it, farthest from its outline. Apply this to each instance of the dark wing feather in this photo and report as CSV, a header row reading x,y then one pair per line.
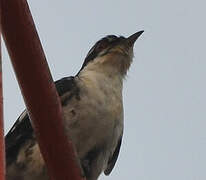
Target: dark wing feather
x,y
22,129
113,159
17,136
65,84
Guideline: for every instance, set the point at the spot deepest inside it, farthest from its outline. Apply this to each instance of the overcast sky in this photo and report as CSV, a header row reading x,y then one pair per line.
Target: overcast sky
x,y
164,94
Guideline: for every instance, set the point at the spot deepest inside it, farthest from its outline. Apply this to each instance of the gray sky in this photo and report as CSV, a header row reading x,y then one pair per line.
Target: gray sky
x,y
164,94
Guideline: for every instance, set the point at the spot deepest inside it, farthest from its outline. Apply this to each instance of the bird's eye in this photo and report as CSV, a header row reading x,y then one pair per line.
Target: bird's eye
x,y
101,46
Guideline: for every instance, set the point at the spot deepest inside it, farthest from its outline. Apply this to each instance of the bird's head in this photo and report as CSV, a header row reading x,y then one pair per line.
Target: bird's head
x,y
115,53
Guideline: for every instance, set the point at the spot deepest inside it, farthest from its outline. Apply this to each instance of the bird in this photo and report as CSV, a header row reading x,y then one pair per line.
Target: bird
x,y
93,114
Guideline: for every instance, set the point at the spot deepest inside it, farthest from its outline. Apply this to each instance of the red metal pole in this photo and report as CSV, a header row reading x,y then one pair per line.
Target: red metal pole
x,y
38,89
2,149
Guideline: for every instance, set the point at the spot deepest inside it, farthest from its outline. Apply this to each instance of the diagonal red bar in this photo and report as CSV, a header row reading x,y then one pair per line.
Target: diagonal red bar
x,y
38,89
2,150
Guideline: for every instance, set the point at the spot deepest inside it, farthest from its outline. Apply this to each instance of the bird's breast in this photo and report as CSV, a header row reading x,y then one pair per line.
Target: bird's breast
x,y
92,119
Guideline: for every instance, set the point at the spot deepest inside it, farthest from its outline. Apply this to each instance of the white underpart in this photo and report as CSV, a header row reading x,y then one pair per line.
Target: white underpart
x,y
99,113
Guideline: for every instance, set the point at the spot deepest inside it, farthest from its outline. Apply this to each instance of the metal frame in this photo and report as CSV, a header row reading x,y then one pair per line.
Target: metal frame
x,y
2,151
39,92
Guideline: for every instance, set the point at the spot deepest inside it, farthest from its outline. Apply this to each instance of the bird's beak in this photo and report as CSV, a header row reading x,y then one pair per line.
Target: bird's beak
x,y
131,39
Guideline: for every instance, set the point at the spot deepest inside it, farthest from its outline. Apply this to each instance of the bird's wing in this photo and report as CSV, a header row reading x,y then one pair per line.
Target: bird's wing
x,y
113,158
17,136
22,129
